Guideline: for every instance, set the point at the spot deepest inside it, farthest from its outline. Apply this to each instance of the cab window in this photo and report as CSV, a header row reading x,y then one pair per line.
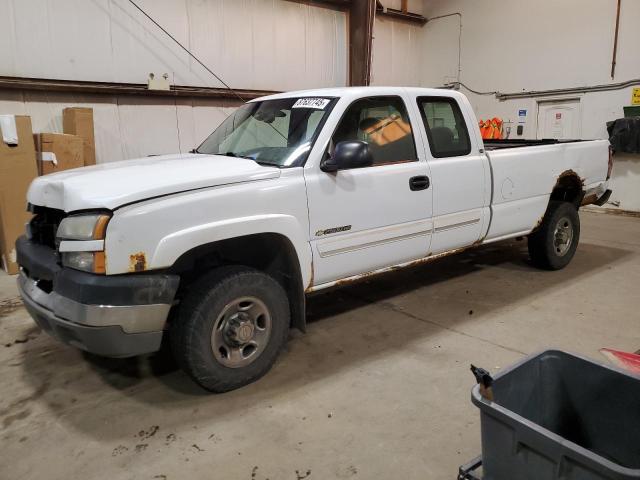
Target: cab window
x,y
384,124
445,125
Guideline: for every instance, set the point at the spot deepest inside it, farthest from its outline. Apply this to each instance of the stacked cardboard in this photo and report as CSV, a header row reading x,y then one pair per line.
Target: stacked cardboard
x,y
79,121
58,151
19,166
17,170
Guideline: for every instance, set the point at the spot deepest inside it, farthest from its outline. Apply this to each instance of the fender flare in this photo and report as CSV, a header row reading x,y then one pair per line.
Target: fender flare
x,y
174,245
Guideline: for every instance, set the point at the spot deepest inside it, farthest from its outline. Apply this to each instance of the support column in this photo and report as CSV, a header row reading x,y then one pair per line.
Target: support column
x,y
361,17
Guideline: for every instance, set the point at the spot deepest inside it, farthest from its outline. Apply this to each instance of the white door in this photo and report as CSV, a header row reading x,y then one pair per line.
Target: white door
x,y
368,218
460,174
559,119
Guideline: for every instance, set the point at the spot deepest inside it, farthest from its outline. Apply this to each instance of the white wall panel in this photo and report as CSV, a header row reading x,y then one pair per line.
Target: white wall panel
x,y
77,40
439,51
138,47
125,126
34,34
625,181
8,32
254,44
397,55
382,53
544,44
148,127
323,64
523,45
221,35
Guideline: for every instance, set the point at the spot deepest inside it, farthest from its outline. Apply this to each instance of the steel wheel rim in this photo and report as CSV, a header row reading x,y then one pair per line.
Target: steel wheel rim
x,y
241,332
563,236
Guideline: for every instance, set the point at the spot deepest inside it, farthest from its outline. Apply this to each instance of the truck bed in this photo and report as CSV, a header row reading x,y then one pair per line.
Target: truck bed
x,y
520,142
524,173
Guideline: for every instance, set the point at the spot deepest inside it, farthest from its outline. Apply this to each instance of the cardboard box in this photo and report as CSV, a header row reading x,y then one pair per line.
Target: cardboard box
x,y
79,121
58,151
387,130
17,170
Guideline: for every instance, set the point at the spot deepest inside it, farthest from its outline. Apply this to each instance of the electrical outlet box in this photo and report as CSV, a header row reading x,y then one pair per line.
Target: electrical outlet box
x,y
158,83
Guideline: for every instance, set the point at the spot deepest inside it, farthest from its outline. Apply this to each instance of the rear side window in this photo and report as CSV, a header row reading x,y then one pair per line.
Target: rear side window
x,y
445,125
384,124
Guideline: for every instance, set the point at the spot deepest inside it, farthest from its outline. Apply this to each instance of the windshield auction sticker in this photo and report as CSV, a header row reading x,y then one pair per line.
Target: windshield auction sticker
x,y
309,102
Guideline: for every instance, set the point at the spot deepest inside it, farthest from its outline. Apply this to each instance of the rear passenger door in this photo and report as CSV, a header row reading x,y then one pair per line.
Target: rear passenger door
x,y
459,174
364,219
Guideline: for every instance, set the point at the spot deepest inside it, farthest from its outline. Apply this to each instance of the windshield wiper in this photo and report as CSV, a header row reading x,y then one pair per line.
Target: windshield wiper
x,y
235,155
267,164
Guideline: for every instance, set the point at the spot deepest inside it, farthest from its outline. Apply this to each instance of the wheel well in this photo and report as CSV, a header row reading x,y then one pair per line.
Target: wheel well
x,y
568,188
271,253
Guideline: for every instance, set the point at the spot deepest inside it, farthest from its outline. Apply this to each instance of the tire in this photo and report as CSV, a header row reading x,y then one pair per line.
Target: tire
x,y
553,245
241,304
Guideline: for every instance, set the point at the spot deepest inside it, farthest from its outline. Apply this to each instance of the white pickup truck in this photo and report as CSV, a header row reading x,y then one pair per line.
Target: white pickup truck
x,y
293,193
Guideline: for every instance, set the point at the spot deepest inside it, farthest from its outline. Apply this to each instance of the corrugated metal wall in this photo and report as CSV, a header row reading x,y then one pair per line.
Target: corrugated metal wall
x,y
125,126
397,53
522,45
252,44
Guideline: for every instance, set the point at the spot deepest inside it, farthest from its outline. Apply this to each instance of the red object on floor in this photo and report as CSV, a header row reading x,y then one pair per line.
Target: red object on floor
x,y
626,360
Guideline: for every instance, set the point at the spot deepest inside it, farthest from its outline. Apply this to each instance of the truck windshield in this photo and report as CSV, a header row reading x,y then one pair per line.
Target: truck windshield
x,y
272,132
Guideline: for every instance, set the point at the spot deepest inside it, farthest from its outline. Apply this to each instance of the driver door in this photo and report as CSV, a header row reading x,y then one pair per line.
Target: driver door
x,y
365,219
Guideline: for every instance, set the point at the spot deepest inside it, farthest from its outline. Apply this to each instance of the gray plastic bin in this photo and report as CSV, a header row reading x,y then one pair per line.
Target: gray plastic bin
x,y
561,416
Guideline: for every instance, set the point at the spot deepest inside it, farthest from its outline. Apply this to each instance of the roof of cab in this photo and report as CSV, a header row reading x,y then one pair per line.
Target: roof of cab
x,y
359,92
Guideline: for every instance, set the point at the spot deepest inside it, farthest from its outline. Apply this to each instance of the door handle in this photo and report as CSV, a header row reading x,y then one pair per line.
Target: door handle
x,y
421,182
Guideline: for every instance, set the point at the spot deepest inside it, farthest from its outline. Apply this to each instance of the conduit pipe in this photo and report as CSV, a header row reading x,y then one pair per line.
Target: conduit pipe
x,y
548,93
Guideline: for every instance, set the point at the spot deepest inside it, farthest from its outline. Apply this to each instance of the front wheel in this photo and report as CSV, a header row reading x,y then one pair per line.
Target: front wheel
x,y
230,327
553,245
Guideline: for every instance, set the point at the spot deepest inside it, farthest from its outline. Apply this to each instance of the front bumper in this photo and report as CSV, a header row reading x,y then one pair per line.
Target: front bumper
x,y
604,198
115,316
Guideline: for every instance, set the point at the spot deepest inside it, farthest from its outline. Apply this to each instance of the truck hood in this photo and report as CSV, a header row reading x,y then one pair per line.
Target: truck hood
x,y
115,184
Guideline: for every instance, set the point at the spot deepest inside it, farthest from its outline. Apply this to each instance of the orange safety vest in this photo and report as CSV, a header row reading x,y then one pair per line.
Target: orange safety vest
x,y
484,128
496,123
491,129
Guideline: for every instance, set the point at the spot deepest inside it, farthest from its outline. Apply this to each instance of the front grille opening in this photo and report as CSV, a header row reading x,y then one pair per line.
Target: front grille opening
x,y
44,225
45,285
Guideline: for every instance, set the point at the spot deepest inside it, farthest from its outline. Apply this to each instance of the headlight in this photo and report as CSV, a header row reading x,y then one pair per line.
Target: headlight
x,y
83,227
75,232
87,261
93,262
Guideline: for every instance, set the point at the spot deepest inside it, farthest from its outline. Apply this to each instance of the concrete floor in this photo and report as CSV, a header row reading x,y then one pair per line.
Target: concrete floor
x,y
377,388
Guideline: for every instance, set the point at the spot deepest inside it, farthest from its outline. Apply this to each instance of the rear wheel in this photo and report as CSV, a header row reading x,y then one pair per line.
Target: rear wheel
x,y
230,327
553,245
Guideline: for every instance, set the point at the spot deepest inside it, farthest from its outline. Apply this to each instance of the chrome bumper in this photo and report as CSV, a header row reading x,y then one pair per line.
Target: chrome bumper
x,y
130,318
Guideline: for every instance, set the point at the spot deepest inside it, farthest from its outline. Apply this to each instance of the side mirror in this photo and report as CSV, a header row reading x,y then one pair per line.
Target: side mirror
x,y
348,154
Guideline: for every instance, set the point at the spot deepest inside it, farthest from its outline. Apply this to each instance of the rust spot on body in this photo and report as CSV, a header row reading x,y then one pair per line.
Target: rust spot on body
x,y
137,262
414,263
588,200
567,174
538,223
310,286
569,187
